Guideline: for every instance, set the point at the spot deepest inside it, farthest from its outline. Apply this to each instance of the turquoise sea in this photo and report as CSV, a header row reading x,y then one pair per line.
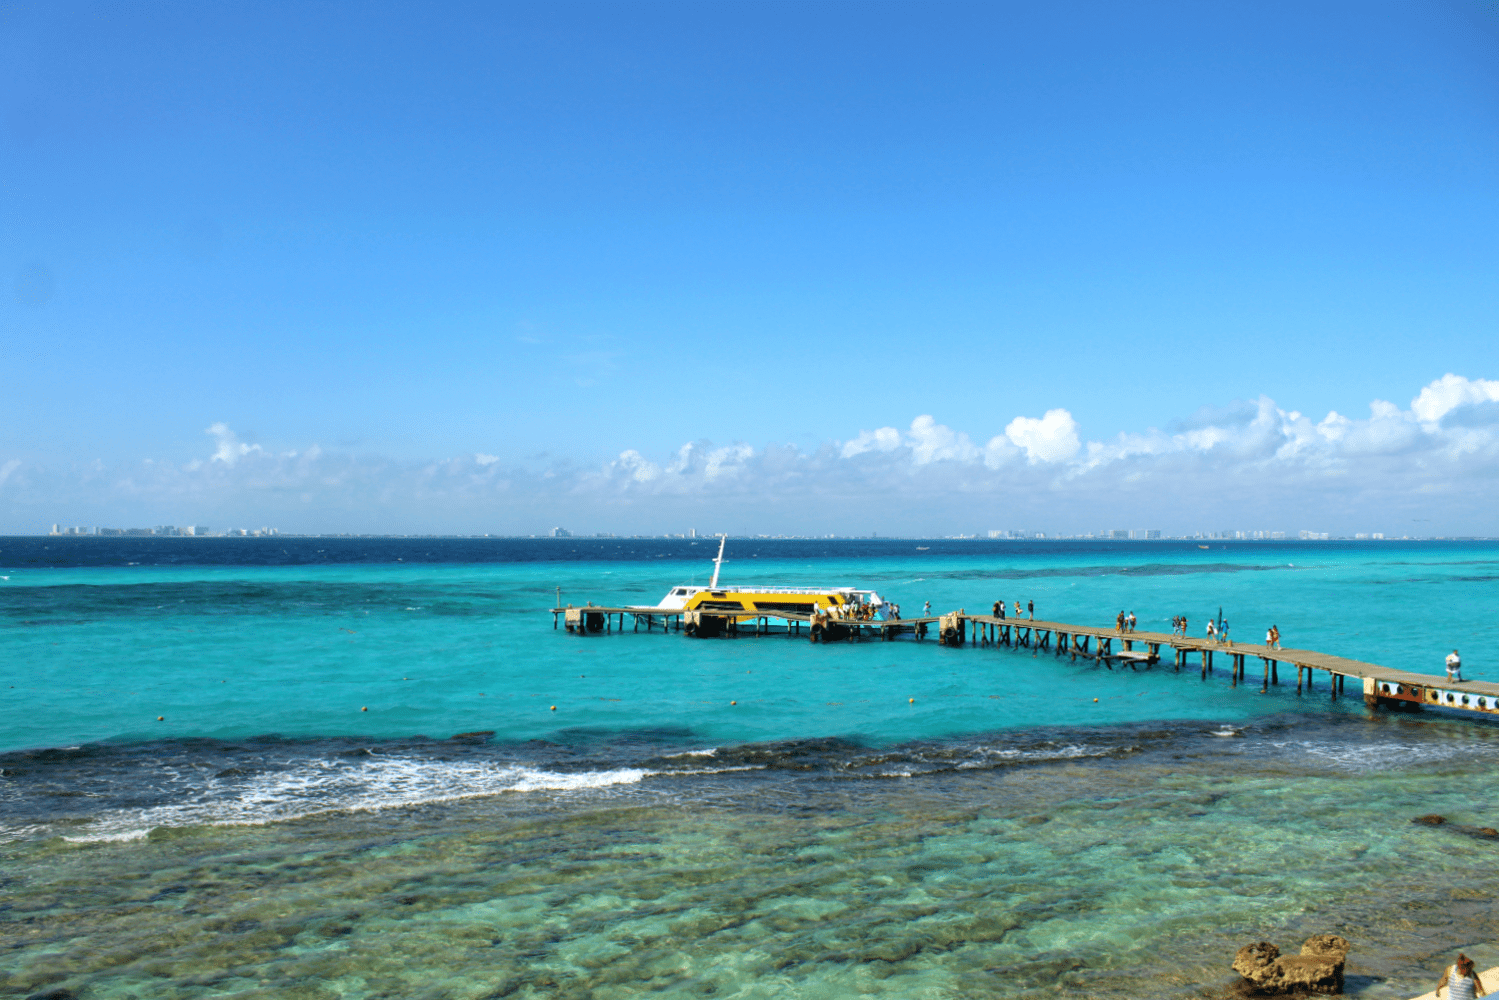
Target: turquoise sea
x,y
379,771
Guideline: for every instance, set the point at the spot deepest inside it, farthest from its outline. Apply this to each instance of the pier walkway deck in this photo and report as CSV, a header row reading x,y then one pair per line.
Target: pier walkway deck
x,y
1380,685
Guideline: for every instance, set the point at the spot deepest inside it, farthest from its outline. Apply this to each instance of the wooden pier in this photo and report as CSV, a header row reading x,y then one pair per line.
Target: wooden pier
x,y
1108,646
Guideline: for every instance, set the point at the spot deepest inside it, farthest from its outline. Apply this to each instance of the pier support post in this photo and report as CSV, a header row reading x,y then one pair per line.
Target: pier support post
x,y
1265,685
1274,673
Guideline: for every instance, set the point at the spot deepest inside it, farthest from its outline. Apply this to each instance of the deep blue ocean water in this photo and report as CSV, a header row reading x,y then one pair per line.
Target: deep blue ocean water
x,y
322,681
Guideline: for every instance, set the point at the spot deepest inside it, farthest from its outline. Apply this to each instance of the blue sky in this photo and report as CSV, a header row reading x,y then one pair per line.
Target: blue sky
x,y
538,240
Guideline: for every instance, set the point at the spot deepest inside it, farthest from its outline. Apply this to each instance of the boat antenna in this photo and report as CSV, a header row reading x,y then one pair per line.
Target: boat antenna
x,y
718,563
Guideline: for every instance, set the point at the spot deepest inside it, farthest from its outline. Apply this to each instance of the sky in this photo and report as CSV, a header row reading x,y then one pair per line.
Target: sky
x,y
798,268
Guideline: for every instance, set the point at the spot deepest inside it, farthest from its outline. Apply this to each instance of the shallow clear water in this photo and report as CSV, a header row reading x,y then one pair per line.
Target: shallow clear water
x,y
1002,835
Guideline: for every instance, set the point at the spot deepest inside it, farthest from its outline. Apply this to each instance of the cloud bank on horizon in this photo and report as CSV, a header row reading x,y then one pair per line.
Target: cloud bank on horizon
x,y
1430,468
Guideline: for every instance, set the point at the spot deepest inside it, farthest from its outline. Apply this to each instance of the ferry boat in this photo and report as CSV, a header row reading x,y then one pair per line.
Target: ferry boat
x,y
748,601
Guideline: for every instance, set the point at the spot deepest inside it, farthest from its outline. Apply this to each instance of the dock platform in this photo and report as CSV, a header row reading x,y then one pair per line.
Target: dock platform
x,y
1109,646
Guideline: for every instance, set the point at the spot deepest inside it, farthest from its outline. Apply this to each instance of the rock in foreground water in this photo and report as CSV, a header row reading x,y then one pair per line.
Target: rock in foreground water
x,y
1318,969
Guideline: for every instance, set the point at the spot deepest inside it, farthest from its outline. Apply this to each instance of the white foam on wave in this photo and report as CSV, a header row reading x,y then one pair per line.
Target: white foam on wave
x,y
692,753
323,786
111,838
1383,756
994,755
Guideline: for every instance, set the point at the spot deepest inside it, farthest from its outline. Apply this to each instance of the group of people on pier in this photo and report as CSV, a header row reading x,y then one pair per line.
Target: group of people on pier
x,y
1124,622
853,613
999,609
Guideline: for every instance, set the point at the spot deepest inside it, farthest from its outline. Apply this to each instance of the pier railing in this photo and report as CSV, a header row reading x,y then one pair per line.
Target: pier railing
x,y
1110,646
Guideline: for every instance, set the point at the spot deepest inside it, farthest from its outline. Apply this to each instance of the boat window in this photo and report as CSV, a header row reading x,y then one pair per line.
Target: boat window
x,y
679,591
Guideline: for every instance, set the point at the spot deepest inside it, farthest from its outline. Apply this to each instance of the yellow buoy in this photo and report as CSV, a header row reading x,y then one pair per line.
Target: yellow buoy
x,y
160,718
733,703
911,700
365,708
554,708
1095,701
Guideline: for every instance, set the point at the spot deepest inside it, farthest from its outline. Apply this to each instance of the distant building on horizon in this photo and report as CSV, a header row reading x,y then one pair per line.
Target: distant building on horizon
x,y
170,531
561,533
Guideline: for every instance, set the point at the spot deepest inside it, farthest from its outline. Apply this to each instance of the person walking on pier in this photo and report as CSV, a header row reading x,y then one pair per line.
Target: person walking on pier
x,y
999,609
1212,633
1223,633
1461,981
1119,622
1184,626
1454,667
1270,637
1131,621
926,612
1030,606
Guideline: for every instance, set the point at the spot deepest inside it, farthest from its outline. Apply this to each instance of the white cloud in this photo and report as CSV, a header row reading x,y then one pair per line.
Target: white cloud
x,y
727,461
1053,438
1437,459
634,465
998,451
884,439
934,442
230,449
1450,392
1334,426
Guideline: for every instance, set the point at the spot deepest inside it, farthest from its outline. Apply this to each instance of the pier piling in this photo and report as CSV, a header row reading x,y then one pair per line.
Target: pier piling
x,y
1380,685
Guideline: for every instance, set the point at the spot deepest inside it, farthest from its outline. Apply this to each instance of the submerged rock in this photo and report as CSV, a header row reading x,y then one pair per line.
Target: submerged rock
x,y
1318,969
1481,832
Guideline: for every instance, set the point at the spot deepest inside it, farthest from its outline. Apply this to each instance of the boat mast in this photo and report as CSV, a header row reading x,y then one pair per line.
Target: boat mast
x,y
718,563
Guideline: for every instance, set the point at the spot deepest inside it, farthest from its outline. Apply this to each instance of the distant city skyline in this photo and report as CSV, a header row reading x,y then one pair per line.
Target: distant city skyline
x,y
560,533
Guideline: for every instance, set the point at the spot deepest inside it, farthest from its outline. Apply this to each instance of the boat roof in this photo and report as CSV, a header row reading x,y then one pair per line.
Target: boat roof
x,y
724,588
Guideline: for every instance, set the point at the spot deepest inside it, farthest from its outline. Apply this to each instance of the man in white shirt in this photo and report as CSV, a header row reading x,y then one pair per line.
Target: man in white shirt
x,y
1454,667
